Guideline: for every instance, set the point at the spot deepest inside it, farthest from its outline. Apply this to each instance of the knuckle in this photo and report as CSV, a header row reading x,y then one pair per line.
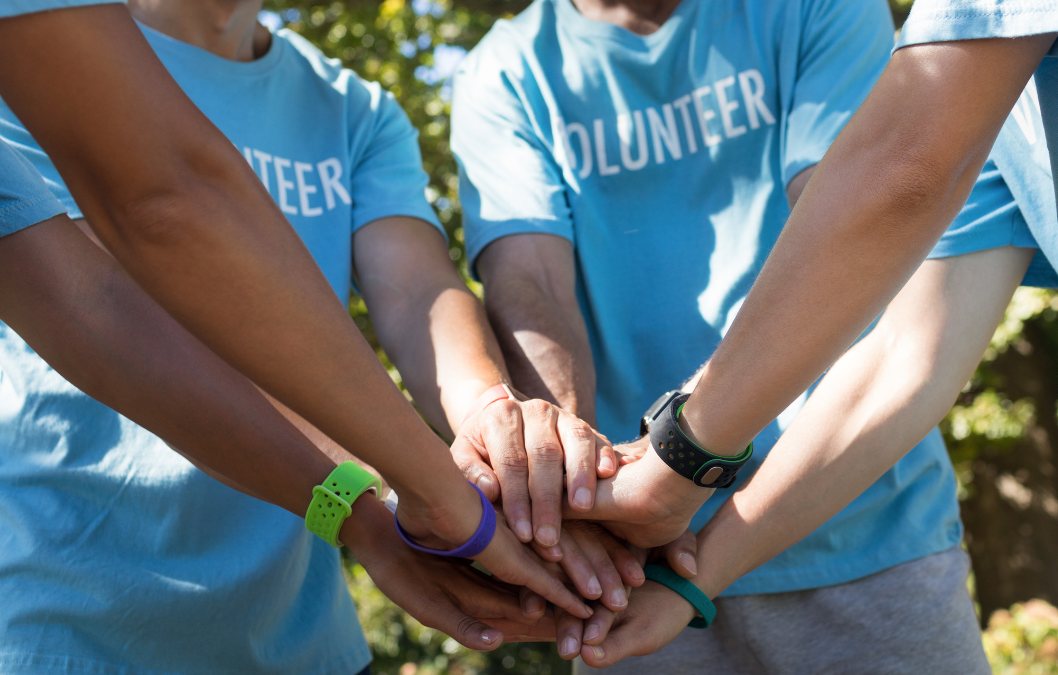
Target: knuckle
x,y
536,408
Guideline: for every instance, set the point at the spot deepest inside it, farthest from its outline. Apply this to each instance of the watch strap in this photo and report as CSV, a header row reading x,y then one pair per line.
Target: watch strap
x,y
691,593
332,500
687,458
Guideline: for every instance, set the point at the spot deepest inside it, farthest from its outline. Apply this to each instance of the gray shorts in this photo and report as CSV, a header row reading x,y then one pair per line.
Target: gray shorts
x,y
916,619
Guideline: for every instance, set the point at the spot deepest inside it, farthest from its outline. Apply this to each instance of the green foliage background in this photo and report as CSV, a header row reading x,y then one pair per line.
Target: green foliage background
x,y
998,433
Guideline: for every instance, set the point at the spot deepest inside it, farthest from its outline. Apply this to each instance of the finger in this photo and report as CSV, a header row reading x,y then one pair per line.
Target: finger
x,y
475,469
606,556
580,569
598,626
627,560
579,450
512,562
506,447
548,553
464,629
682,555
606,461
619,642
544,449
533,606
568,630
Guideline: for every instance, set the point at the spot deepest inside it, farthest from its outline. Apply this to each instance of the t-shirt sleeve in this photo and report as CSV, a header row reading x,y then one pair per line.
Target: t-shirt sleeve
x,y
945,20
843,49
9,8
15,134
509,180
388,179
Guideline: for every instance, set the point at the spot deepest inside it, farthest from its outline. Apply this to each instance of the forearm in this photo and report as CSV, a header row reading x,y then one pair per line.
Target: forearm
x,y
878,201
190,222
447,360
544,342
880,399
77,309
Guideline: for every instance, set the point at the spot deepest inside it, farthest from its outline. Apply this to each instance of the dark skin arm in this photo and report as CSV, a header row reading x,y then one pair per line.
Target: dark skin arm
x,y
189,221
186,217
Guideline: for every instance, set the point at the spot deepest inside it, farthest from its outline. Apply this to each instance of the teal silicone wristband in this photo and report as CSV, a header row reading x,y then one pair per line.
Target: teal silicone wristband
x,y
688,591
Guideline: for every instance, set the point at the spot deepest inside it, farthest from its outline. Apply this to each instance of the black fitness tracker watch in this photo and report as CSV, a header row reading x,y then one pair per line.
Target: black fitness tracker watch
x,y
682,455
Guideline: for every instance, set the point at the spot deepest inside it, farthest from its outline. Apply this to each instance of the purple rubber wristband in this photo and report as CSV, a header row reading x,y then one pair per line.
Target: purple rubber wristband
x,y
475,545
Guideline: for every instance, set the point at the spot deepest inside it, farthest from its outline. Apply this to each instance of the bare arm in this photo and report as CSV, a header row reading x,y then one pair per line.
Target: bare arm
x,y
530,295
880,399
429,322
186,217
76,308
881,197
438,336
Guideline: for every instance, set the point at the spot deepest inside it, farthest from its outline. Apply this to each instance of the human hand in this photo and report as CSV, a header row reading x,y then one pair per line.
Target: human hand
x,y
505,557
571,632
517,450
655,616
477,611
646,503
598,565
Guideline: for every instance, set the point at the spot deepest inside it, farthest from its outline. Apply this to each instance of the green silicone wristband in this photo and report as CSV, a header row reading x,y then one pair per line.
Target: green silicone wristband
x,y
332,501
688,591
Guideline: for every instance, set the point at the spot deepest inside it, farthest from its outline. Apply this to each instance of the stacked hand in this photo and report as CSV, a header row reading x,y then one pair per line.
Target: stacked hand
x,y
538,463
645,504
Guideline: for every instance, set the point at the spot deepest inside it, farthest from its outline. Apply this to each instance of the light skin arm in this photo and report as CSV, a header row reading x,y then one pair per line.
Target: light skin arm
x,y
188,219
436,332
880,399
884,193
530,295
896,176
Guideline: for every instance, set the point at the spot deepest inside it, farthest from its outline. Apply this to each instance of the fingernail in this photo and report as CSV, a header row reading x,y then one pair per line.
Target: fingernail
x,y
569,646
688,563
534,604
582,499
633,570
606,463
491,636
618,598
486,484
547,536
599,653
593,586
523,529
591,633
554,553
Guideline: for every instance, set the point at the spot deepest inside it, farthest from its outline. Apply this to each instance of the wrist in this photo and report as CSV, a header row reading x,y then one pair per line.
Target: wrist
x,y
361,527
697,424
441,521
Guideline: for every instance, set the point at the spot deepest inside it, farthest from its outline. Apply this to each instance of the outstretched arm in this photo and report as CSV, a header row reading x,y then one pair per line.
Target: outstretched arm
x,y
187,218
880,399
879,200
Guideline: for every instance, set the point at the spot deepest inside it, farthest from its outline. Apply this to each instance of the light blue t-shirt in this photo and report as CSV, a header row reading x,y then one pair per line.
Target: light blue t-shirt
x,y
24,198
664,160
116,554
1013,196
16,7
945,20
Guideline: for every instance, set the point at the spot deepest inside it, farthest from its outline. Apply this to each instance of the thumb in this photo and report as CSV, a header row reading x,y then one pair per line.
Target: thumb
x,y
475,469
682,555
467,630
617,645
605,506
